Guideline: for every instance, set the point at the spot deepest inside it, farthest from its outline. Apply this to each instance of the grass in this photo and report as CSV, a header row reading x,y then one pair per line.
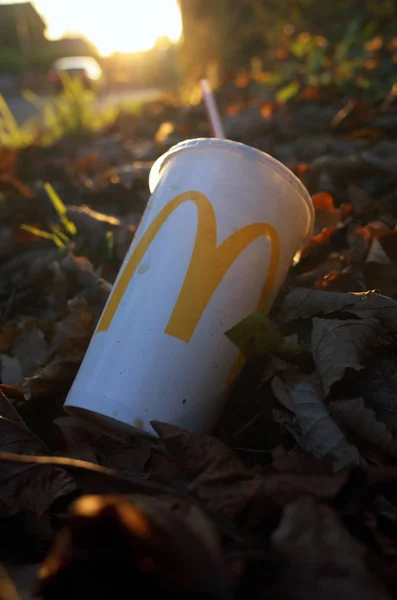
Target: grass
x,y
13,135
57,236
73,113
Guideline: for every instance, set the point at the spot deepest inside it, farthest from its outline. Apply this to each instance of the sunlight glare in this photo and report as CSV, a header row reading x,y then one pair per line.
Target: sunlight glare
x,y
114,25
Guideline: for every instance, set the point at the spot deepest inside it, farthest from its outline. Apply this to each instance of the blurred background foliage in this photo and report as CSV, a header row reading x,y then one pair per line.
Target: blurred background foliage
x,y
294,43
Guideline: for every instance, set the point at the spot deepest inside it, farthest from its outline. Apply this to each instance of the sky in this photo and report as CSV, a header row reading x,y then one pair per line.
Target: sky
x,y
112,25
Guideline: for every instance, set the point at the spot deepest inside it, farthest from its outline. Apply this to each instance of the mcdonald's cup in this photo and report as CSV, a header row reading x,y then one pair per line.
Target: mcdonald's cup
x,y
215,243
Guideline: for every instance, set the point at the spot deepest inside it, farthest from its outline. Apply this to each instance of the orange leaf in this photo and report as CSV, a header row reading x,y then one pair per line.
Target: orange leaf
x,y
322,238
242,80
302,168
281,53
366,133
20,187
8,160
310,93
266,110
234,109
323,201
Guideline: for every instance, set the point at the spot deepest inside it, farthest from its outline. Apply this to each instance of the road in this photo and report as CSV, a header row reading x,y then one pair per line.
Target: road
x,y
24,110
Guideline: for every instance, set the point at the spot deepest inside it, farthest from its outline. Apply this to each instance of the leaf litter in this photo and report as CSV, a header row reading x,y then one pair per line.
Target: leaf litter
x,y
295,492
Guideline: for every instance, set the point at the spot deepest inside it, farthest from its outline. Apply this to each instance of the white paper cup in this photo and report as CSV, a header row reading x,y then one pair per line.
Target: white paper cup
x,y
215,243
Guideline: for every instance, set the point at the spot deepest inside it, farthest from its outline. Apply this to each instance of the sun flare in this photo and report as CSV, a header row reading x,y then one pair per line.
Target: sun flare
x,y
113,25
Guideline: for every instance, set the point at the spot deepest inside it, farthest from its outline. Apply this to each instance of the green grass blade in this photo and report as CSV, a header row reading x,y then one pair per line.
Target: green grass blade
x,y
44,234
60,208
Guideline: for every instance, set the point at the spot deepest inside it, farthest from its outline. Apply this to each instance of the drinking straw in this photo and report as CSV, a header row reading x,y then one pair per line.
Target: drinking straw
x,y
212,110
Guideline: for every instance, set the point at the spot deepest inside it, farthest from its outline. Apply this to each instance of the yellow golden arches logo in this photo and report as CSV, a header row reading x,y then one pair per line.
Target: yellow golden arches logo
x,y
208,265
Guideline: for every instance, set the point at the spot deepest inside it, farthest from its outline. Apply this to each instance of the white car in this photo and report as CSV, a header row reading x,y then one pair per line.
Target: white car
x,y
84,67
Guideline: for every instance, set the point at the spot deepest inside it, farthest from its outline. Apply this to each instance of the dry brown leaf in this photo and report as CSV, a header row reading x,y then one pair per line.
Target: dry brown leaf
x,y
389,245
95,289
359,241
326,213
80,440
31,350
130,459
300,463
8,591
7,335
27,488
313,428
284,488
319,243
376,254
150,546
55,378
304,303
189,513
326,561
381,277
91,224
353,413
73,333
359,199
218,476
338,345
281,392
10,370
7,411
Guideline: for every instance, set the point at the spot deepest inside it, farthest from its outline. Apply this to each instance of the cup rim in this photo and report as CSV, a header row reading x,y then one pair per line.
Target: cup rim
x,y
249,152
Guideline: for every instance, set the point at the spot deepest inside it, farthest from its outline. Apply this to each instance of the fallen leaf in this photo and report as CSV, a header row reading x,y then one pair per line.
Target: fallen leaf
x,y
313,427
95,289
7,335
30,489
302,303
324,560
31,350
132,459
376,254
346,280
255,335
8,591
353,413
281,392
381,277
284,488
389,245
333,263
91,225
8,160
54,378
80,439
386,509
218,476
359,241
148,545
189,513
10,370
359,199
320,243
326,213
338,345
300,463
73,333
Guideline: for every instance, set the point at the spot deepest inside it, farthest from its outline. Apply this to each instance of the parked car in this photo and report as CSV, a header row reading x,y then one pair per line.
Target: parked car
x,y
86,68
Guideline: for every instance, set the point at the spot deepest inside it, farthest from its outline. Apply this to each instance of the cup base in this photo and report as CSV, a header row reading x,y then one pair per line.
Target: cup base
x,y
107,425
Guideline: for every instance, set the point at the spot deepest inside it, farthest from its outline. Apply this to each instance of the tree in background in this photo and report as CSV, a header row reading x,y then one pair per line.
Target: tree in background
x,y
234,32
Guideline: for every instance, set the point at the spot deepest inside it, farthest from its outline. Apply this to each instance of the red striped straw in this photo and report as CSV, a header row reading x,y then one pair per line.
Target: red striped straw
x,y
212,110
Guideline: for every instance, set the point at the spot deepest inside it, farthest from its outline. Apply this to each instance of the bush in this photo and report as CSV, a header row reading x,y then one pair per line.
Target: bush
x,y
10,61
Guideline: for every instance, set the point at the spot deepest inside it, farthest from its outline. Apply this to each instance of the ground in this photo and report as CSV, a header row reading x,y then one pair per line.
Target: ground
x,y
296,489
